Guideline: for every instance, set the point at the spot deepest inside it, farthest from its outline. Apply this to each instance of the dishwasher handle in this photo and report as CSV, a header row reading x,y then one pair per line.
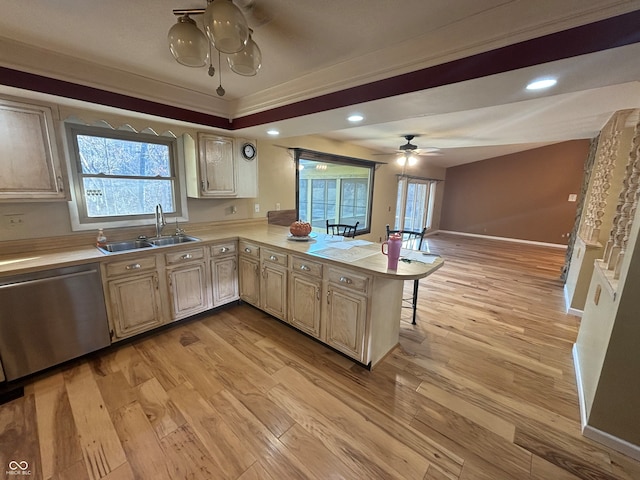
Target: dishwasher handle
x,y
49,279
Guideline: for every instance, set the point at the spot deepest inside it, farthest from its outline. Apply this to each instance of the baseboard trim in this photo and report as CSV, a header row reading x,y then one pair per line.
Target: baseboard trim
x,y
505,239
567,303
627,448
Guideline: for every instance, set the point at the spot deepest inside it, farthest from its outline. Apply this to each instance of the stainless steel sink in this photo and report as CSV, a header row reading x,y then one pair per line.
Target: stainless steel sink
x,y
172,240
111,247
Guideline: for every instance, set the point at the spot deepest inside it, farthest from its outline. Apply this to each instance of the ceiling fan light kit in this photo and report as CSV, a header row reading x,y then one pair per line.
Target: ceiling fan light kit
x,y
226,30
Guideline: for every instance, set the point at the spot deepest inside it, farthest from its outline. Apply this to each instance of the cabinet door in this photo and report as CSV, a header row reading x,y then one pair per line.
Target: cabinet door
x,y
224,274
188,288
30,168
345,322
217,173
304,309
273,291
135,304
249,278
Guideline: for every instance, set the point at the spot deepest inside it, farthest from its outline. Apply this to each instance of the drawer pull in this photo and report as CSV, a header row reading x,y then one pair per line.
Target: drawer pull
x,y
224,250
304,268
247,249
346,280
133,266
186,256
273,258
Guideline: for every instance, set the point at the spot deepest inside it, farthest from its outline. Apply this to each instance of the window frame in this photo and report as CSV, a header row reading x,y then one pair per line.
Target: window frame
x,y
312,155
77,206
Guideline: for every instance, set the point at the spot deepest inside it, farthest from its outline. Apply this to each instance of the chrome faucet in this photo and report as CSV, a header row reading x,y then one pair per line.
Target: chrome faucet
x,y
160,221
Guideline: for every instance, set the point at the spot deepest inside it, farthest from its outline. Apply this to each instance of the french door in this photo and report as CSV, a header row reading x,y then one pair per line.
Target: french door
x,y
414,205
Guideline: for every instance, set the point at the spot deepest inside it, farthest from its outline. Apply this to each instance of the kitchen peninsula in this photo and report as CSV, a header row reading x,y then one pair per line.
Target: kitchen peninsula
x,y
344,297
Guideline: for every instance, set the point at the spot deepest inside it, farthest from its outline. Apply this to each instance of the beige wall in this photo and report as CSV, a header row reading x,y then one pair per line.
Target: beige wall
x,y
276,179
522,196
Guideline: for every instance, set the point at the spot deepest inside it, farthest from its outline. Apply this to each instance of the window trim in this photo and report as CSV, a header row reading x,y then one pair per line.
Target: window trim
x,y
77,210
304,154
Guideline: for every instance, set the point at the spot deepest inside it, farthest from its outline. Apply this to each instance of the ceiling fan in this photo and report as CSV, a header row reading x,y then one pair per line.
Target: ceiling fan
x,y
410,152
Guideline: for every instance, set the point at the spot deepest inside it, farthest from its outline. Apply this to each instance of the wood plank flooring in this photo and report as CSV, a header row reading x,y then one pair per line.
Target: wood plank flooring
x,y
483,387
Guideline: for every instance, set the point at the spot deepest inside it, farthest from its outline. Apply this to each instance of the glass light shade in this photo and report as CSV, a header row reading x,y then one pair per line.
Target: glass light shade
x,y
187,43
401,160
225,26
247,61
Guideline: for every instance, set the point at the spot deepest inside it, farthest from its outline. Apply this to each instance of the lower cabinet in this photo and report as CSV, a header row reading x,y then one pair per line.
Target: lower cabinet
x,y
305,293
224,273
133,296
346,313
187,279
249,273
273,284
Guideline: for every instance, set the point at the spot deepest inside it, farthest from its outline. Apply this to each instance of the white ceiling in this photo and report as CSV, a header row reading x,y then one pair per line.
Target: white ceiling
x,y
315,48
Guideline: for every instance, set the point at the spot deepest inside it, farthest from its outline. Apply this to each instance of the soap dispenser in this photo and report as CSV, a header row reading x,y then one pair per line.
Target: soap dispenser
x,y
101,239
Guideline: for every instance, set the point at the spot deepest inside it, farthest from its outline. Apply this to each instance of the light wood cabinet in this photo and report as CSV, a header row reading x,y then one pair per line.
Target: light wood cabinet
x,y
216,168
224,273
30,168
189,290
273,283
346,313
249,273
305,290
134,304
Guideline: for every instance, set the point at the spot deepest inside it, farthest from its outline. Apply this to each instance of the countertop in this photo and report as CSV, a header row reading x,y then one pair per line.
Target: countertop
x,y
367,258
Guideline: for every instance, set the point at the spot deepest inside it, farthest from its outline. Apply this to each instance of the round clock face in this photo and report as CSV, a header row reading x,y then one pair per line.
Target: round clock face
x,y
248,151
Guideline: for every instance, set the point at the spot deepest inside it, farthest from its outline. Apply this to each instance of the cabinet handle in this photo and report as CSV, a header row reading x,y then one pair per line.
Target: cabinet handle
x,y
328,295
155,281
346,280
235,265
186,256
318,294
247,250
60,184
202,185
264,272
224,250
304,268
133,266
273,258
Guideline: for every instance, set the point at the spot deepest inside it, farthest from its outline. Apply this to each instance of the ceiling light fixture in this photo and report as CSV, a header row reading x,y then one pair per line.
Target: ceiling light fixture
x,y
273,132
226,30
542,83
407,158
356,117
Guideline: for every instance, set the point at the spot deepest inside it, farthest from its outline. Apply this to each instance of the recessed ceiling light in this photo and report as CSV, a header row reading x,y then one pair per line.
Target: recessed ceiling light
x,y
356,117
542,83
273,132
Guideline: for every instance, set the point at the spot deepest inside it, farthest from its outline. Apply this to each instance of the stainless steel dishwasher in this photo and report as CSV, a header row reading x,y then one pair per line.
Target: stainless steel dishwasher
x,y
49,317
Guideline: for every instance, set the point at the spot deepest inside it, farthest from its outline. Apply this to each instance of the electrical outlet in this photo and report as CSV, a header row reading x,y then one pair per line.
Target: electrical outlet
x,y
278,206
256,207
14,220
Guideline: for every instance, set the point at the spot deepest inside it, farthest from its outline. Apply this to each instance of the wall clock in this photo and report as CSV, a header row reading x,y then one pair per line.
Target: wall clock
x,y
249,151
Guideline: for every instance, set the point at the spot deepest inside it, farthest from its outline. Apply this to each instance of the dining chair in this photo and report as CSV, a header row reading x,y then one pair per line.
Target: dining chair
x,y
342,229
412,240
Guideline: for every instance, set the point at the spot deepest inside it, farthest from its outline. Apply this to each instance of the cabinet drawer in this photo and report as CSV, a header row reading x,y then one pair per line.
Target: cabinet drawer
x,y
349,279
274,256
131,266
220,249
307,267
249,249
182,256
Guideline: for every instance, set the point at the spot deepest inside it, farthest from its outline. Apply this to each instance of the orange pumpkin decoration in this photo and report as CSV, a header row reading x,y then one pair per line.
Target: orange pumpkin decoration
x,y
300,229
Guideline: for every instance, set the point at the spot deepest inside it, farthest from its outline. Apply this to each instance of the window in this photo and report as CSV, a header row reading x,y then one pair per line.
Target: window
x,y
414,205
334,188
120,176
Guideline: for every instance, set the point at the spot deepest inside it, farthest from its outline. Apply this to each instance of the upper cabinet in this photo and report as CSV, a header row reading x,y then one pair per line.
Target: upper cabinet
x,y
220,167
30,167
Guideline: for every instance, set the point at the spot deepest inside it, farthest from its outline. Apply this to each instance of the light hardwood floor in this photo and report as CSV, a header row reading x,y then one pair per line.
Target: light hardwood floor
x,y
483,387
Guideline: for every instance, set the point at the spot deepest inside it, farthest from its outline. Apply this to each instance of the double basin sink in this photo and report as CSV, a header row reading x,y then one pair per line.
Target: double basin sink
x,y
144,242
